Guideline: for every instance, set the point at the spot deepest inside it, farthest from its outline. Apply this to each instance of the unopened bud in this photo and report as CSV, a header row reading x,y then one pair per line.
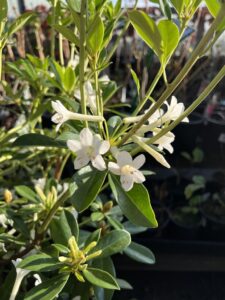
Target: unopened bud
x,y
108,206
8,196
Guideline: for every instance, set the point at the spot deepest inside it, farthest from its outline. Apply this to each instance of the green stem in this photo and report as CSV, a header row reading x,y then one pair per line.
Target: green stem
x,y
61,49
171,87
82,57
192,107
98,98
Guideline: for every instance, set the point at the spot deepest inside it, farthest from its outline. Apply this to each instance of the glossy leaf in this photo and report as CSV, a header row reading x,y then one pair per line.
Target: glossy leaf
x,y
69,79
170,39
95,35
26,192
88,184
147,29
113,242
40,263
19,23
35,140
100,278
67,33
135,204
140,253
48,289
64,227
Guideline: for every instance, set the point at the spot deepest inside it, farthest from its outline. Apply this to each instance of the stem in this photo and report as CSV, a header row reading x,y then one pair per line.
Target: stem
x,y
53,30
59,173
192,107
61,49
82,57
98,98
171,87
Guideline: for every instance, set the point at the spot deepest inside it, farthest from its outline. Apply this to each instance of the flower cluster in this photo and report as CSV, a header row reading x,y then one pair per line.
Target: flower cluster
x,y
90,147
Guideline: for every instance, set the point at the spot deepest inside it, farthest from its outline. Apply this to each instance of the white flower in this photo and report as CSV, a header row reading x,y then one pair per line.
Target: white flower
x,y
158,156
20,274
63,114
165,141
4,221
40,182
38,279
73,63
174,111
89,148
90,95
128,169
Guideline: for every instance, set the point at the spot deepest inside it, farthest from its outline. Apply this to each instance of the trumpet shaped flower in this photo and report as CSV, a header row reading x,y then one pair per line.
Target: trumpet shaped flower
x,y
165,141
174,111
63,114
128,169
89,148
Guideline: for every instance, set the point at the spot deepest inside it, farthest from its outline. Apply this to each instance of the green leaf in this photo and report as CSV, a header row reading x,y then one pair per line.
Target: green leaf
x,y
147,30
95,35
26,192
3,10
165,6
178,4
135,204
214,8
93,237
35,140
136,80
69,79
64,227
19,23
124,284
140,253
48,289
170,39
40,263
75,5
101,278
113,242
88,184
107,265
67,33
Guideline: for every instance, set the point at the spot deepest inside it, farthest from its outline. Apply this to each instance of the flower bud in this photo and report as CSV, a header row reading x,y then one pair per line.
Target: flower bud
x,y
8,196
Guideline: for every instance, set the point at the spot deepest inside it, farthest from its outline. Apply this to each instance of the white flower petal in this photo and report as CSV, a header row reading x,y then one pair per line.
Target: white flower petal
x,y
127,182
58,126
104,147
138,177
99,163
74,145
139,161
124,158
86,137
159,157
81,161
114,168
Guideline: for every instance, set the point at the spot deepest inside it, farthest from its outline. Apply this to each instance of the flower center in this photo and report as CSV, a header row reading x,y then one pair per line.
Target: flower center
x,y
59,117
127,170
90,151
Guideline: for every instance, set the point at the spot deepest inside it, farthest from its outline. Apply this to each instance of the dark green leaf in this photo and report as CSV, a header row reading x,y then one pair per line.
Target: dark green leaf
x,y
48,289
135,204
100,278
35,140
26,192
140,253
89,182
113,242
40,263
